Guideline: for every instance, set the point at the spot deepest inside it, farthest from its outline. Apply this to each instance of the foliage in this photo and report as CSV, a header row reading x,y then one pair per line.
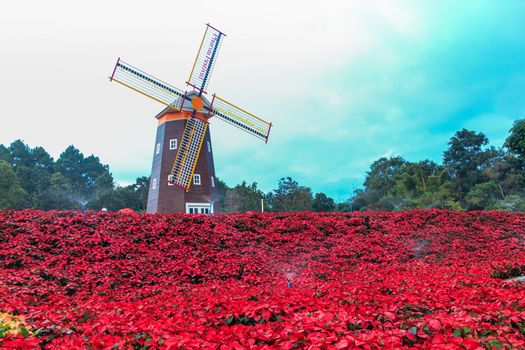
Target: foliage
x,y
323,203
243,198
382,175
482,195
56,194
87,176
422,279
516,140
511,203
222,188
12,195
290,197
465,158
41,183
473,177
134,196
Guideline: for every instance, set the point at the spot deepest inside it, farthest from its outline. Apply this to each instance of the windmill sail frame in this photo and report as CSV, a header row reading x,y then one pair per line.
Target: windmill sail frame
x,y
206,57
148,85
188,154
196,125
240,118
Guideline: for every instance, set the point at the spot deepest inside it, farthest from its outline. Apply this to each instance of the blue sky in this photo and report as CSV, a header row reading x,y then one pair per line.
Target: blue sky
x,y
344,82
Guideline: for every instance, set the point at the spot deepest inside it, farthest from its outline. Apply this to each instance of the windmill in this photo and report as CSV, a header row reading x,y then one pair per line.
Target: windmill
x,y
183,126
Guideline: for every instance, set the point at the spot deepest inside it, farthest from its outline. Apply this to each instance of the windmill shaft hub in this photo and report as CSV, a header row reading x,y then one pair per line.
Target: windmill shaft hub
x,y
197,103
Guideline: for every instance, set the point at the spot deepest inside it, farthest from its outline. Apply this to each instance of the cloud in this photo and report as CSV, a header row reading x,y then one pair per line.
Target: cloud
x,y
343,83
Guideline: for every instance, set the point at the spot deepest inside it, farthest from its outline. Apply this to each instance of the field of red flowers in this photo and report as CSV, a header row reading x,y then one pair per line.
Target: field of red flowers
x,y
416,279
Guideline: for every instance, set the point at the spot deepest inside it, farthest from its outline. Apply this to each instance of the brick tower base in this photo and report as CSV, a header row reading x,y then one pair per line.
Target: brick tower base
x,y
164,197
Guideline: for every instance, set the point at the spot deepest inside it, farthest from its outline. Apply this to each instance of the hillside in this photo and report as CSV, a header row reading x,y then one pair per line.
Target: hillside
x,y
416,279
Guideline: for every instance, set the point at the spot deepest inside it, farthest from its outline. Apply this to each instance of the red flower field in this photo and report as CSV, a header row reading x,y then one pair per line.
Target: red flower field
x,y
416,279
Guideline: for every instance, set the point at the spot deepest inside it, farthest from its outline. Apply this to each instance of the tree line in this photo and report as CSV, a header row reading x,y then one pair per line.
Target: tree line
x,y
31,178
472,176
288,196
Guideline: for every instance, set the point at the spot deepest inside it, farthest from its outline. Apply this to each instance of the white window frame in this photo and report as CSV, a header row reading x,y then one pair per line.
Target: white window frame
x,y
157,149
212,181
197,179
200,208
209,146
170,177
154,183
172,142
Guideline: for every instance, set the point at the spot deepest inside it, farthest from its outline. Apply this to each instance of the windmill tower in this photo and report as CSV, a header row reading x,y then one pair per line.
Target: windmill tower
x,y
183,173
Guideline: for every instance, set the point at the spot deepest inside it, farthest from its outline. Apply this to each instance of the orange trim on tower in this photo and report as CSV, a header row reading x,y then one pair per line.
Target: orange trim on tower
x,y
172,115
167,117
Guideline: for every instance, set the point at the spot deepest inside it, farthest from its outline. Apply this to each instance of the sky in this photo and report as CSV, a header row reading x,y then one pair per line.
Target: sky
x,y
343,82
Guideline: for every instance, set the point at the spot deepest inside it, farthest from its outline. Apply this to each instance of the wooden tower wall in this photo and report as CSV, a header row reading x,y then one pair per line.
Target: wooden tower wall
x,y
167,198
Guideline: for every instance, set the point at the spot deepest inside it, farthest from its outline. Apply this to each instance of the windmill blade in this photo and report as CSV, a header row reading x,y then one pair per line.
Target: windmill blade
x,y
188,153
146,84
240,118
206,57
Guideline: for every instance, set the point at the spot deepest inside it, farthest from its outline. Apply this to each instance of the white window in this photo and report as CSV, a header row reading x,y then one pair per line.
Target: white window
x,y
212,181
196,179
198,208
170,180
209,146
157,149
154,184
199,211
173,144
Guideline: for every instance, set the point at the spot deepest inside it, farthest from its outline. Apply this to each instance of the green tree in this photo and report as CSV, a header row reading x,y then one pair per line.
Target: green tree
x,y
222,189
464,158
323,203
22,163
12,195
482,196
413,178
5,155
343,207
141,188
440,193
55,195
506,174
515,142
20,154
360,200
378,182
42,168
88,177
118,198
33,168
511,202
242,198
133,196
290,197
382,174
70,183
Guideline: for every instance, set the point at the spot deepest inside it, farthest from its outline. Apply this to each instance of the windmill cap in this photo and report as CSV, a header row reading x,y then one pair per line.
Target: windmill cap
x,y
187,105
168,113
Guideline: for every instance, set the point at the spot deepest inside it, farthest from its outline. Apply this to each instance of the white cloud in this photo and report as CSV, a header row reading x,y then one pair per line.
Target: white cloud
x,y
344,82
